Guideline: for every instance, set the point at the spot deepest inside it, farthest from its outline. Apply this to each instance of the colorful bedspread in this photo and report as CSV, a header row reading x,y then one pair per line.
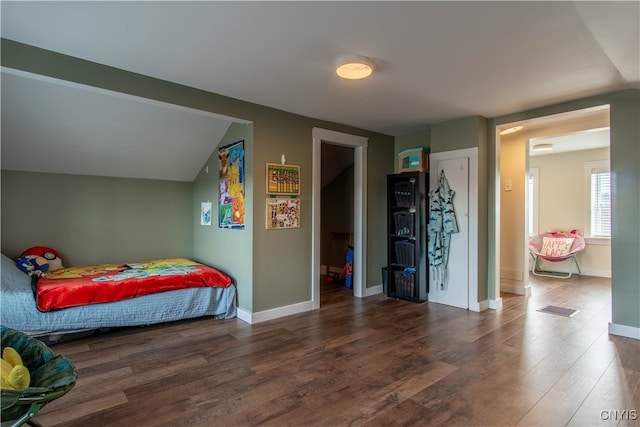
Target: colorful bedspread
x,y
75,286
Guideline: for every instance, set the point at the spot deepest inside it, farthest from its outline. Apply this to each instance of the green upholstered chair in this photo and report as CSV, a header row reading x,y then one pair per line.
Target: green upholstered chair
x,y
52,376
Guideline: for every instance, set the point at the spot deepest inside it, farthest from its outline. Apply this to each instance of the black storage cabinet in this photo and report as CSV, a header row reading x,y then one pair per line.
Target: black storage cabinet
x,y
407,266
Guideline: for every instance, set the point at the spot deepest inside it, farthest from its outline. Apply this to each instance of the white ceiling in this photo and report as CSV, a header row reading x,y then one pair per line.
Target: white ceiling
x,y
435,61
583,140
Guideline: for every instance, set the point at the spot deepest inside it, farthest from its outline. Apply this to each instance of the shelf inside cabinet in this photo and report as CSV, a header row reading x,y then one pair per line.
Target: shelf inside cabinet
x,y
407,272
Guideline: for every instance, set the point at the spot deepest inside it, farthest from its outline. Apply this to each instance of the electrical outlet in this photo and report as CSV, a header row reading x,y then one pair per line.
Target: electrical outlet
x,y
508,185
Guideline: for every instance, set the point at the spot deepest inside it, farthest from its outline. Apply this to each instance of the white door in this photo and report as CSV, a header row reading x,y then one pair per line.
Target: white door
x,y
455,291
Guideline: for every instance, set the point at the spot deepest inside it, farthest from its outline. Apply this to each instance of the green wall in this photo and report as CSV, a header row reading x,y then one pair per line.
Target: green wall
x,y
225,249
95,220
457,134
281,260
625,245
380,164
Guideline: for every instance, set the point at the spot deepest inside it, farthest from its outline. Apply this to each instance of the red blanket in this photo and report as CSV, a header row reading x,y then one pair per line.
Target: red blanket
x,y
70,287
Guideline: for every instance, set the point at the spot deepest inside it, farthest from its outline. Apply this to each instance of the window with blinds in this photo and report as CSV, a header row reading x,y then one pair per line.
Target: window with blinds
x,y
599,208
601,204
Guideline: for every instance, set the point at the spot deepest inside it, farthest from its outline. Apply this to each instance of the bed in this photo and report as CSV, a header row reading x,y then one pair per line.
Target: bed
x,y
18,309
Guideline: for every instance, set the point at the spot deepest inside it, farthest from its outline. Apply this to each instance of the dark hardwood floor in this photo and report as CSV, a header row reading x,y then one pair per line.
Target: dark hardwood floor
x,y
373,362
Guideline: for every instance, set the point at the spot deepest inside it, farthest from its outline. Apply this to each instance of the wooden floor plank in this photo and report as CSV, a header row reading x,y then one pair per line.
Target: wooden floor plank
x,y
364,362
613,392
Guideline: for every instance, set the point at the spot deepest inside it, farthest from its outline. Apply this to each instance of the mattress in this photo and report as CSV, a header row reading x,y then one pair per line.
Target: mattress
x,y
18,307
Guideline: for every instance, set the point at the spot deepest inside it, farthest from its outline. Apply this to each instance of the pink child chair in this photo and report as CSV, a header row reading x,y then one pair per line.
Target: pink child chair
x,y
555,247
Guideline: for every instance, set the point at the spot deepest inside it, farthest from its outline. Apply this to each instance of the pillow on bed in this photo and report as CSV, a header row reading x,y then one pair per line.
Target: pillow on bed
x,y
51,255
12,276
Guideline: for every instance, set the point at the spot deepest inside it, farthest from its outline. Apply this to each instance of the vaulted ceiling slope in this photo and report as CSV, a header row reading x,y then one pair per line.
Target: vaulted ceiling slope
x,y
57,127
434,61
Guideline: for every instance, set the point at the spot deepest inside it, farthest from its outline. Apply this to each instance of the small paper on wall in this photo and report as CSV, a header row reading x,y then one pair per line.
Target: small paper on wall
x,y
205,213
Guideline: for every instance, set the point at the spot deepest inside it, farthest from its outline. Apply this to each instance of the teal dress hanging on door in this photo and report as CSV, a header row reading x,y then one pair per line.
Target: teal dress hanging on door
x,y
442,223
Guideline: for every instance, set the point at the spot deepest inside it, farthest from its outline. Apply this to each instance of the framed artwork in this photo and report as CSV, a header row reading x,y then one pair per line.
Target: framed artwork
x,y
231,186
282,213
205,213
283,179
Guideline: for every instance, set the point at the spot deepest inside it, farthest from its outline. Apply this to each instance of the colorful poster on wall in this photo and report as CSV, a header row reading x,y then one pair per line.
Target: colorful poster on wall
x,y
231,186
283,213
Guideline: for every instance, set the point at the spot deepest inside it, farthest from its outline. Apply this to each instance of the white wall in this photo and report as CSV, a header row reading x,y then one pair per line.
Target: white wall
x,y
563,205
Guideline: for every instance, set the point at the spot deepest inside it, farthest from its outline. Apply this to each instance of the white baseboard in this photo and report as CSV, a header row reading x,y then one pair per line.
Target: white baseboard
x,y
374,290
515,288
597,273
510,274
624,331
244,315
479,306
512,281
274,313
495,304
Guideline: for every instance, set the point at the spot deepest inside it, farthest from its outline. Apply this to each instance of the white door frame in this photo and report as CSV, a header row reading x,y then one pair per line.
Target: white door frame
x,y
359,143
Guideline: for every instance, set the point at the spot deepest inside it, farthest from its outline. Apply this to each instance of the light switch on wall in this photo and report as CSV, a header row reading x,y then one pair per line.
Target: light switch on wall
x,y
508,185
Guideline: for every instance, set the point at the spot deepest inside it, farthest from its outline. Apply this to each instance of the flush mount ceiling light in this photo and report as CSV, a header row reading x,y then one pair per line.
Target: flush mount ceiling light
x,y
510,130
354,67
543,147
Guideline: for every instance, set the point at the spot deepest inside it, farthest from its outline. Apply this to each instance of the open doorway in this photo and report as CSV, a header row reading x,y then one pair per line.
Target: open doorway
x,y
359,146
539,193
336,222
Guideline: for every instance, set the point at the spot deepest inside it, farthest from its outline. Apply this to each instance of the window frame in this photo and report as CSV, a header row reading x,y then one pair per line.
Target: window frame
x,y
533,201
599,166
